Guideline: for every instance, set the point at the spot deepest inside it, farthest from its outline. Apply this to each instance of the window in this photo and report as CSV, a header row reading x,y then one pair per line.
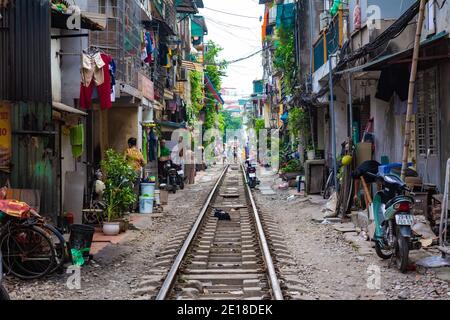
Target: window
x,y
427,120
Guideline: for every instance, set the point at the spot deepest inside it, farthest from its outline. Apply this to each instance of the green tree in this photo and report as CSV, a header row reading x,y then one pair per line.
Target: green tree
x,y
284,59
215,70
196,106
229,122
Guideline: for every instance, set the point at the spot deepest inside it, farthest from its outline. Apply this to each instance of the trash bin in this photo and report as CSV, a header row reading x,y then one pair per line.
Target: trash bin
x,y
81,237
146,204
148,189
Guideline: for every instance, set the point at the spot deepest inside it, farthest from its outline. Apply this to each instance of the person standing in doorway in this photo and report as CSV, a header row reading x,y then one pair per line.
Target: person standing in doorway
x,y
135,159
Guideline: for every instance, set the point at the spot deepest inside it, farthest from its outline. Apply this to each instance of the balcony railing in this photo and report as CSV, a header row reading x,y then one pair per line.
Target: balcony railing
x,y
329,41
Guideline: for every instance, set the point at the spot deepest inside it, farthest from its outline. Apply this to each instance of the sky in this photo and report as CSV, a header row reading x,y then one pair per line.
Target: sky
x,y
239,37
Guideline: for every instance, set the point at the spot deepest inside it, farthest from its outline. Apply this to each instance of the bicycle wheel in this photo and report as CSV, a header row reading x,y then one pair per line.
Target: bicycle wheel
x,y
59,244
329,187
28,252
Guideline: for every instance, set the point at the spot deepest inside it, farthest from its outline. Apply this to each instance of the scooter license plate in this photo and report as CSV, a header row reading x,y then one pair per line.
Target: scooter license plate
x,y
252,175
404,219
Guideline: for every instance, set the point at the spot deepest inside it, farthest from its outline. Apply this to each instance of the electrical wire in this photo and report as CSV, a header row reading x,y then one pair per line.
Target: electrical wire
x,y
229,24
229,32
346,58
233,14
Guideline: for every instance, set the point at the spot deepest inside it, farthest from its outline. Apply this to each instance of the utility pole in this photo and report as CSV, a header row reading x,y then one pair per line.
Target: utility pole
x,y
350,104
333,122
412,84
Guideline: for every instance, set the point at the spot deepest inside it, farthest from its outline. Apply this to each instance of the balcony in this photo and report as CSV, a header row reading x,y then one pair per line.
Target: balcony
x,y
330,40
121,37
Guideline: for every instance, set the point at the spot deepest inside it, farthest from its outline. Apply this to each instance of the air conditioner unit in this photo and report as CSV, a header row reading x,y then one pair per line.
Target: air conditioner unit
x,y
183,75
325,19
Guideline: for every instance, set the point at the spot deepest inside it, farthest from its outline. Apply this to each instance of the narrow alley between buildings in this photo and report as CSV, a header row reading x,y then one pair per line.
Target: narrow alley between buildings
x,y
246,151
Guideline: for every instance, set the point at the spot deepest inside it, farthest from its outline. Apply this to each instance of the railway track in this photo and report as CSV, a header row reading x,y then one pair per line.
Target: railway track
x,y
224,259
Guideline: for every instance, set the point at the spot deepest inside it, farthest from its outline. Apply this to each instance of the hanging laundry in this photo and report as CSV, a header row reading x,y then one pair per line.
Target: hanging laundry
x,y
104,89
172,106
149,43
145,145
77,140
163,54
393,79
92,69
152,145
112,73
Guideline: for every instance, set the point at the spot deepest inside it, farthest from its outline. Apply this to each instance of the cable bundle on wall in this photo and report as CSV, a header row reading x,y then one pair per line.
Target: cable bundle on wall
x,y
345,58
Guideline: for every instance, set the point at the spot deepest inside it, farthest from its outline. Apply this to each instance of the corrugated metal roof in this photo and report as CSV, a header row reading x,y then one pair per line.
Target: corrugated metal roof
x,y
65,108
25,73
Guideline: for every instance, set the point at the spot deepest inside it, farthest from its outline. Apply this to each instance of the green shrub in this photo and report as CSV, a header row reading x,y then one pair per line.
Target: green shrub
x,y
120,179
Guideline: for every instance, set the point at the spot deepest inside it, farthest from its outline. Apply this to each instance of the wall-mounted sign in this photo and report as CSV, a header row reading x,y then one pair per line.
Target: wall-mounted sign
x,y
147,87
5,136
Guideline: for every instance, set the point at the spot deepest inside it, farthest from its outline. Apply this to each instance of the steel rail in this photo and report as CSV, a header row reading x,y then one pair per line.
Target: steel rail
x,y
172,275
274,283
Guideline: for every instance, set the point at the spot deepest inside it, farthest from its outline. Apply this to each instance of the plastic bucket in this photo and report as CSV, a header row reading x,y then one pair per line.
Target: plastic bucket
x,y
158,197
146,205
81,238
148,189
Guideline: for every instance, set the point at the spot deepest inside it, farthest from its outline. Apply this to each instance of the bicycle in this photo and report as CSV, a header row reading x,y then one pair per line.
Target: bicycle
x,y
3,293
329,187
31,248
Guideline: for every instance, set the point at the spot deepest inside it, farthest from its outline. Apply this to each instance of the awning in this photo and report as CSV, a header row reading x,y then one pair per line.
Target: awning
x,y
89,21
172,125
186,6
425,58
213,90
65,108
160,22
198,26
192,65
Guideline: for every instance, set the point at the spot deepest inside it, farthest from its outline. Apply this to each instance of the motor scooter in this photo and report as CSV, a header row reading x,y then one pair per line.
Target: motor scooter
x,y
391,209
251,174
97,204
3,293
174,176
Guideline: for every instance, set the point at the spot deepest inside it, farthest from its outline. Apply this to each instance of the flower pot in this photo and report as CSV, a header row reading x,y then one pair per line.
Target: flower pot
x,y
311,154
111,228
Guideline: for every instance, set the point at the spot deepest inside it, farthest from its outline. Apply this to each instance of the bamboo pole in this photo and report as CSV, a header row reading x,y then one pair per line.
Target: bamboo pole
x,y
366,192
412,84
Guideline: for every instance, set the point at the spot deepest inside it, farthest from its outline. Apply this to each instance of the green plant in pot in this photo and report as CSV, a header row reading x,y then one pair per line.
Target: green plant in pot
x,y
119,193
311,152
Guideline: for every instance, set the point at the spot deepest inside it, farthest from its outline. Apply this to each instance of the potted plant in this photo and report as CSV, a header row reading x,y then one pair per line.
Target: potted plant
x,y
311,153
119,193
291,170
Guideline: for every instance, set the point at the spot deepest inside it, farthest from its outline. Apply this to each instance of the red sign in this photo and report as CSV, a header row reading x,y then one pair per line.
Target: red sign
x,y
147,87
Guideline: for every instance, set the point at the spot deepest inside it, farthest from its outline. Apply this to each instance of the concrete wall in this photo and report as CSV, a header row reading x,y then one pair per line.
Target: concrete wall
x,y
442,17
55,65
71,60
122,125
388,129
444,97
306,17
